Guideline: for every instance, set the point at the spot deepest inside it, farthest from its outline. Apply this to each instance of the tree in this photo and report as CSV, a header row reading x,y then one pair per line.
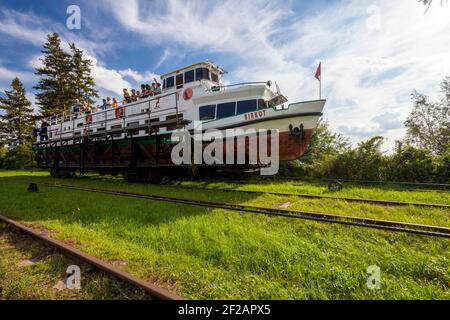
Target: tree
x,y
55,80
324,143
17,120
428,3
428,125
410,164
82,83
366,162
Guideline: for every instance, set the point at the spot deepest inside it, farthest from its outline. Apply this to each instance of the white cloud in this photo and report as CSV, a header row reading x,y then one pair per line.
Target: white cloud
x,y
368,68
33,29
138,77
388,121
7,75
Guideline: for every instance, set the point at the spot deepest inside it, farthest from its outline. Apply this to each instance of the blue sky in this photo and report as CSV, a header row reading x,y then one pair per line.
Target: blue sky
x,y
374,53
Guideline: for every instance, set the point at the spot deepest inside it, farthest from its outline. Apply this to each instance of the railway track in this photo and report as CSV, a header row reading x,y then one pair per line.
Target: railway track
x,y
309,196
155,292
394,226
406,186
432,186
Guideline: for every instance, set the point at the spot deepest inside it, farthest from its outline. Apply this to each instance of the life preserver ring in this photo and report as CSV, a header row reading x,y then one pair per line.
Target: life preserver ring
x,y
88,118
118,112
188,93
85,131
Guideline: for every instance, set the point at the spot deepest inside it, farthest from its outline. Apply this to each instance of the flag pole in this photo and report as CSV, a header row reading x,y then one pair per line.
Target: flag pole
x,y
320,88
320,82
318,76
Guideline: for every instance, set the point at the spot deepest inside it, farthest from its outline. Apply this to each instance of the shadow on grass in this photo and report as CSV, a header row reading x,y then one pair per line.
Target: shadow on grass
x,y
84,207
89,208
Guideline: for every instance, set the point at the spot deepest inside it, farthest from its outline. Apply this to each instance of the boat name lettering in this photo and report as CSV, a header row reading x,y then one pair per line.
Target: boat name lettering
x,y
255,115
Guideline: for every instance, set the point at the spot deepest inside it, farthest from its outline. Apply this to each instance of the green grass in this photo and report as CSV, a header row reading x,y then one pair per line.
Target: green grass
x,y
205,253
31,270
411,214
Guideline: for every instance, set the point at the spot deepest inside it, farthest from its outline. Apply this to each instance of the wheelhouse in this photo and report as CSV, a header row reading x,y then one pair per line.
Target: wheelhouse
x,y
190,75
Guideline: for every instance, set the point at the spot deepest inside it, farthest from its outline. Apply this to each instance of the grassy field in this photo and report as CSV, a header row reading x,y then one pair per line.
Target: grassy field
x,y
205,253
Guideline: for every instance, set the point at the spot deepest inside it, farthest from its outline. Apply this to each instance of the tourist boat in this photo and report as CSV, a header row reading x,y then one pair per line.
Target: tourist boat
x,y
137,136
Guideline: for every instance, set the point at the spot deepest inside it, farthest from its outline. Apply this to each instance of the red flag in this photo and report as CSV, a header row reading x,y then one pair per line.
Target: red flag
x,y
319,72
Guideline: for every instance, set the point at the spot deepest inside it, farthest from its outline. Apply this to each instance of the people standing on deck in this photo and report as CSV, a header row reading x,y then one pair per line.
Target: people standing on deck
x,y
86,107
115,104
104,105
143,92
153,89
158,88
133,95
108,103
126,96
149,90
43,132
76,107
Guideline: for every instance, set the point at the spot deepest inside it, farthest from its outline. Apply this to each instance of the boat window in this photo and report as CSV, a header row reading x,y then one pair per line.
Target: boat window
x,y
132,125
226,110
189,76
164,84
207,112
261,104
170,82
246,106
152,122
174,117
214,77
179,81
116,135
201,73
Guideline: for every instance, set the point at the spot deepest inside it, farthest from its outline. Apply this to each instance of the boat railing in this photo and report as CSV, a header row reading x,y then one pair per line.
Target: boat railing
x,y
241,84
103,117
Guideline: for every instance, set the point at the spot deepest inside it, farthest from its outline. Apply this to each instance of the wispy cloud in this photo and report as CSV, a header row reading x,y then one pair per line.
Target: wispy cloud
x,y
138,77
373,53
33,29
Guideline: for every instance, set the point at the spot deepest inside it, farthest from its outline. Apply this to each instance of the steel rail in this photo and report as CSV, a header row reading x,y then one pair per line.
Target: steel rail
x,y
154,291
316,216
444,186
312,196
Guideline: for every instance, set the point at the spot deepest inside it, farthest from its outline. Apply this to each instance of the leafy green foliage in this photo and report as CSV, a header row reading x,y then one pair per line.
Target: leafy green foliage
x,y
365,162
64,77
422,157
17,120
54,83
82,83
410,164
18,157
428,125
325,143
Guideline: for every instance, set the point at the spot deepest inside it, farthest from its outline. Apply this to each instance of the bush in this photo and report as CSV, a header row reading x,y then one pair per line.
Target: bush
x,y
18,157
441,167
411,164
367,162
